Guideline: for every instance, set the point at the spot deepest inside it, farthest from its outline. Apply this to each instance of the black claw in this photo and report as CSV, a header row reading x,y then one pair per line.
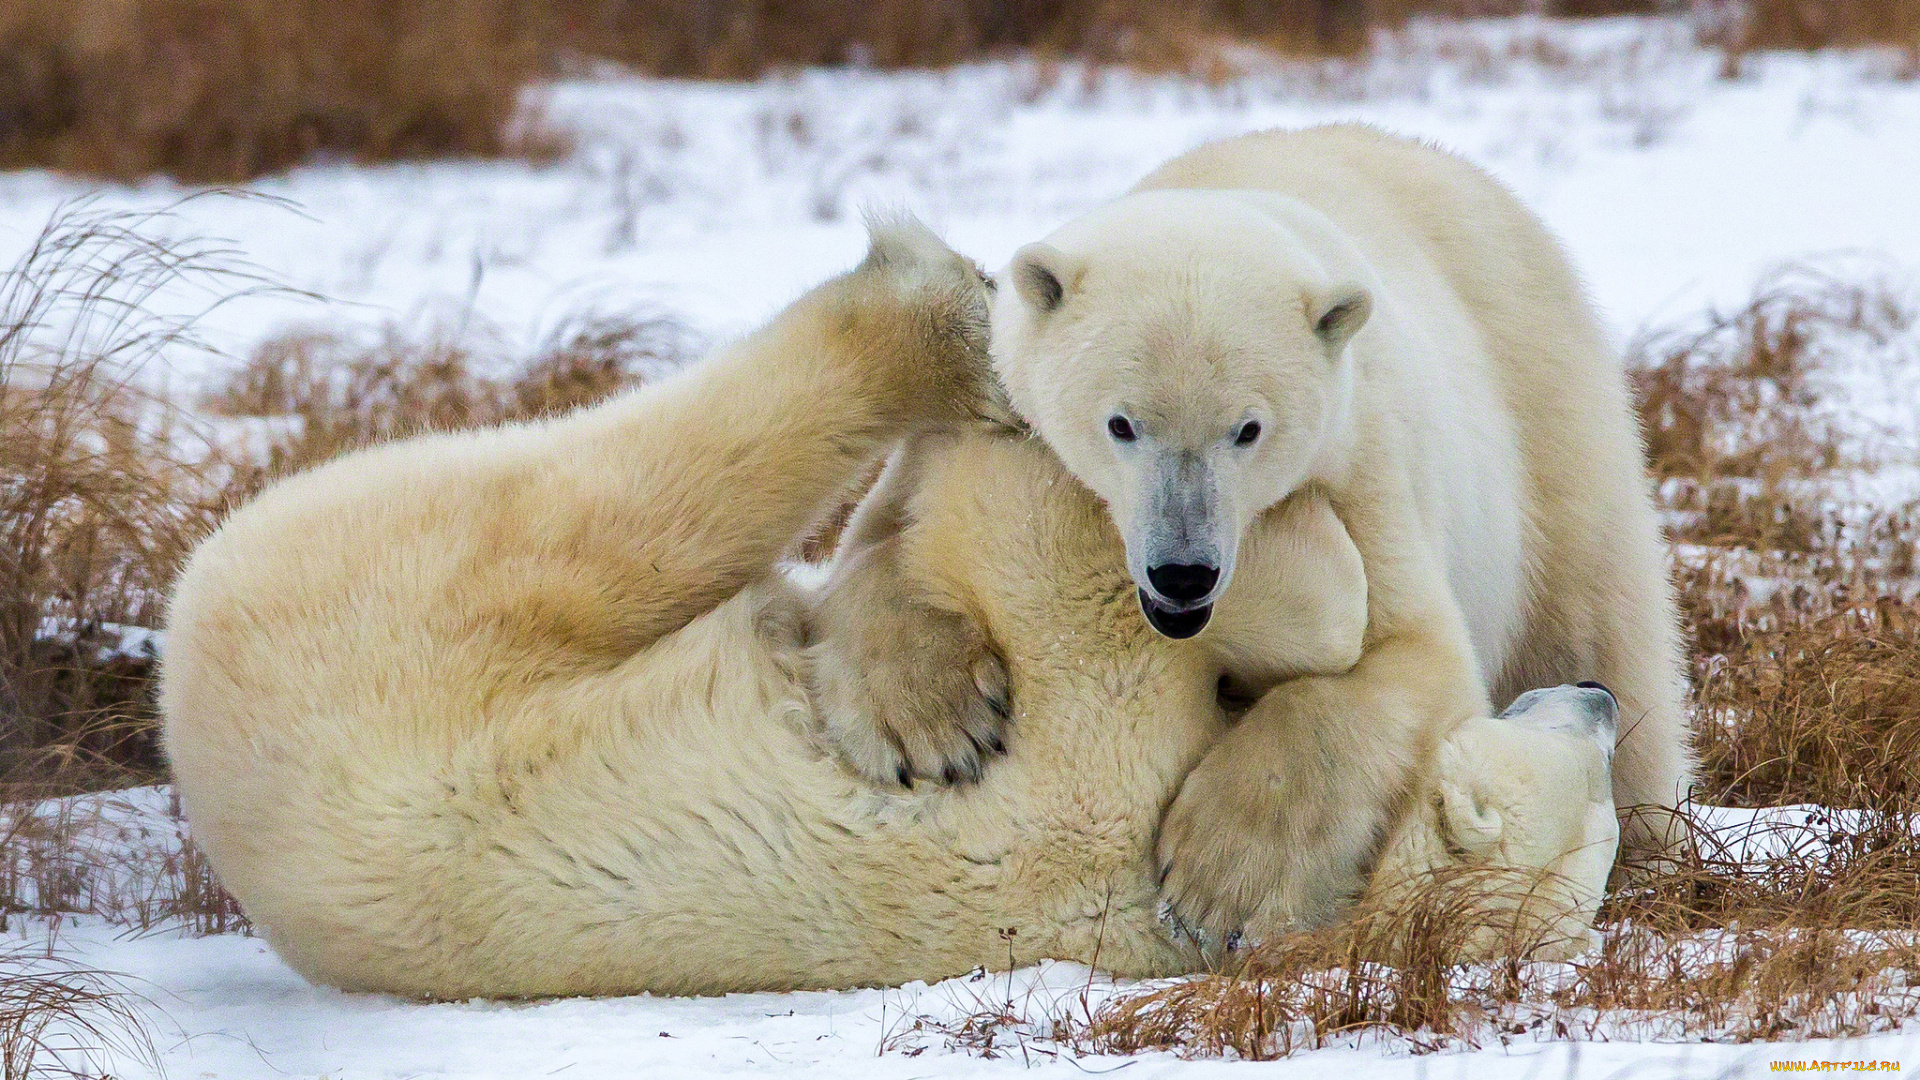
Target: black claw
x,y
905,776
1166,871
999,707
950,775
999,745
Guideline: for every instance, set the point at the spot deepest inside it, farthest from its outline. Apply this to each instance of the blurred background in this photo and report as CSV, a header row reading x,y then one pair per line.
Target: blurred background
x,y
226,90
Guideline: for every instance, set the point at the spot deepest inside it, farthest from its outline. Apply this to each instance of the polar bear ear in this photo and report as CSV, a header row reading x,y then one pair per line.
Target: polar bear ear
x,y
1042,275
1468,824
1341,314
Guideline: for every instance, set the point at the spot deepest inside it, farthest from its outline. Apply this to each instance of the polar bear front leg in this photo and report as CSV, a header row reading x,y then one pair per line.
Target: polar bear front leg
x,y
653,508
1279,825
907,684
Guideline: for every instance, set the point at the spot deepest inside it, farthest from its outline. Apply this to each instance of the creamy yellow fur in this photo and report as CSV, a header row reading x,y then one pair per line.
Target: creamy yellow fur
x,y
524,711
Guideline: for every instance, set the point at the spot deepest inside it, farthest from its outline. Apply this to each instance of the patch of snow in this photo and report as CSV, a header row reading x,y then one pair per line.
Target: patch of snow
x,y
226,1007
103,641
114,855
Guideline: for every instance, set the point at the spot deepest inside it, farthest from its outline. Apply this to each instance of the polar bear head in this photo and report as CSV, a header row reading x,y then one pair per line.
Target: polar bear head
x,y
1533,788
1185,353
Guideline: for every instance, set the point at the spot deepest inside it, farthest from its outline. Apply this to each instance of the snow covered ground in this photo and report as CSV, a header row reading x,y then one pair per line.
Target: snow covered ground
x,y
225,1007
1673,187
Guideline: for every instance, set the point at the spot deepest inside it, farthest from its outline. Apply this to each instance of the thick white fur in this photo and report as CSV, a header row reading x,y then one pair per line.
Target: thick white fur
x,y
523,711
1475,438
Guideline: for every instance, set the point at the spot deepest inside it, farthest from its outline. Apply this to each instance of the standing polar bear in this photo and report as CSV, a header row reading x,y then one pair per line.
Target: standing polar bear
x,y
528,711
1341,312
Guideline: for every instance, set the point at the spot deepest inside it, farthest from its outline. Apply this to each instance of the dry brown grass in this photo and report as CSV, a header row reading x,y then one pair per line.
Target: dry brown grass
x,y
114,856
218,90
58,1021
1800,601
1744,26
744,39
324,394
104,489
227,90
98,502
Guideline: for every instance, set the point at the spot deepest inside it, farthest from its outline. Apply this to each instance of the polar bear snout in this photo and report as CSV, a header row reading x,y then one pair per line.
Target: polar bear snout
x,y
1179,601
1587,709
1181,548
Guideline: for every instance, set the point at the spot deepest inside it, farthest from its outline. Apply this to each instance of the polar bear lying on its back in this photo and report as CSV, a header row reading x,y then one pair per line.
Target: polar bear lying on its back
x,y
523,711
1351,316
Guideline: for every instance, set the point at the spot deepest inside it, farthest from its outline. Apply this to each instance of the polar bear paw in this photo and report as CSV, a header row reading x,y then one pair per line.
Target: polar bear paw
x,y
1243,856
907,691
915,299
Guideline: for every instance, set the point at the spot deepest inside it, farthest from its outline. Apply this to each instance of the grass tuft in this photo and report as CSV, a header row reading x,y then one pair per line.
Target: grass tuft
x,y
61,1021
316,395
99,498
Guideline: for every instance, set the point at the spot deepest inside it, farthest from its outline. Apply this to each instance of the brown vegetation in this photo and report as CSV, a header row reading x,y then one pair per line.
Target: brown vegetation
x,y
324,394
1743,26
104,489
59,1021
227,90
97,503
213,90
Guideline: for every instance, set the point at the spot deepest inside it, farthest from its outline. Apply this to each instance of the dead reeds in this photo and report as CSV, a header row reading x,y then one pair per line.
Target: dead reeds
x,y
318,395
1742,27
99,498
228,90
59,1021
221,90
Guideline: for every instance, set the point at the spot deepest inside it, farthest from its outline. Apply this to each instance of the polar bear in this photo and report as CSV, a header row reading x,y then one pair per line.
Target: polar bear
x,y
1346,313
525,712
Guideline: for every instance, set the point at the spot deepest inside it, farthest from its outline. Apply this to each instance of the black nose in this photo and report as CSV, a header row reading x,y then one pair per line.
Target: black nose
x,y
1183,583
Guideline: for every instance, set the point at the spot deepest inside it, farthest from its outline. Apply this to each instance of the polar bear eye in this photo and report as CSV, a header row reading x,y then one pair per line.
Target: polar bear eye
x,y
1248,432
1121,428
